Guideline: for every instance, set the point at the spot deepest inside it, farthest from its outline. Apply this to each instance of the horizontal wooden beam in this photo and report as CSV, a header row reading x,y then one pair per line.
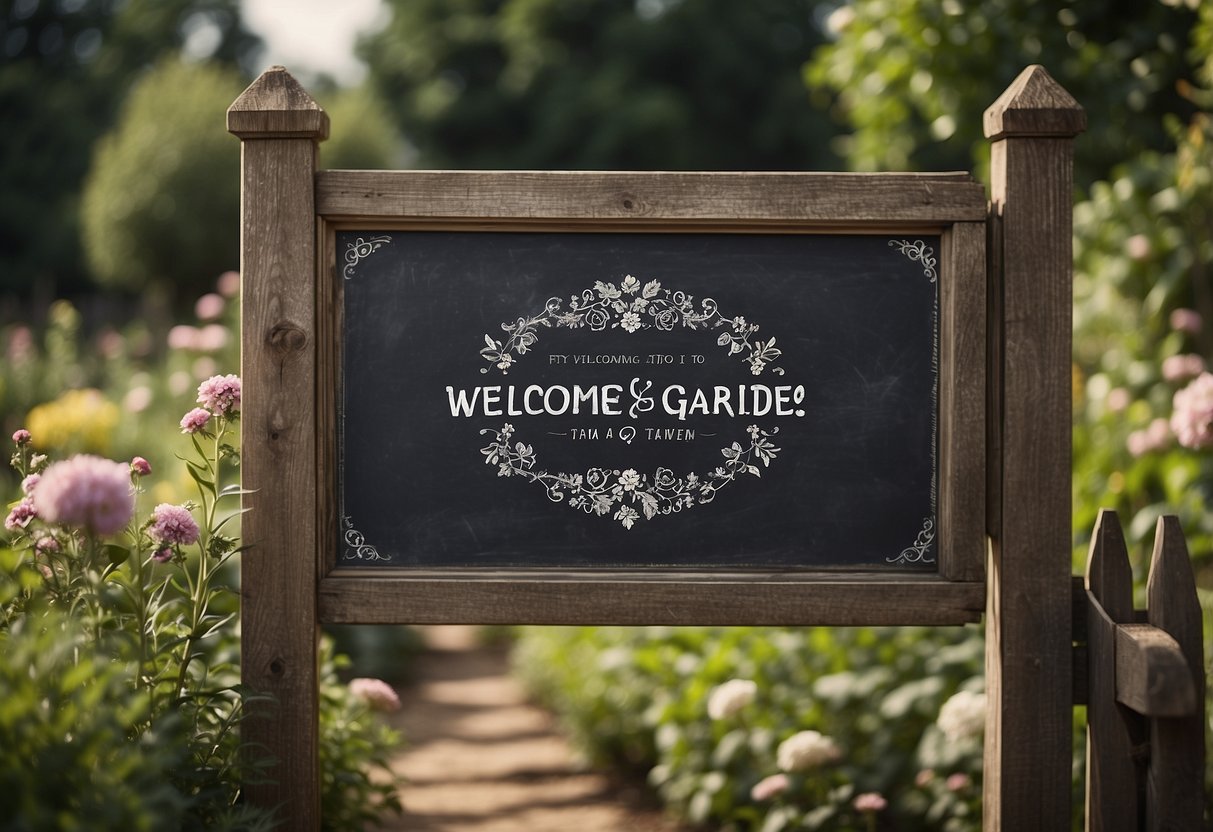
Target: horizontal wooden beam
x,y
650,597
1152,675
826,199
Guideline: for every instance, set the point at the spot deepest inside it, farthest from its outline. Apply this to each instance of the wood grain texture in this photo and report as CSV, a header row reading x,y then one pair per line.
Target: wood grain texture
x,y
278,574
275,106
1177,750
1152,675
644,598
1112,800
826,198
962,401
1029,657
1034,105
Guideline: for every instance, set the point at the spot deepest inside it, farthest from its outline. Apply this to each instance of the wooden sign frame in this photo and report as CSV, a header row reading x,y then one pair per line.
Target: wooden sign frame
x,y
1003,466
734,203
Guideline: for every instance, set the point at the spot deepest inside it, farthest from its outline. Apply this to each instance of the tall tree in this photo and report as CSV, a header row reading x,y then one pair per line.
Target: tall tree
x,y
65,67
913,77
674,84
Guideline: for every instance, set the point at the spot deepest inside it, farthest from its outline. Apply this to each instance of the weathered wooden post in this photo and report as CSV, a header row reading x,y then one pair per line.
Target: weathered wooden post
x,y
1028,651
279,126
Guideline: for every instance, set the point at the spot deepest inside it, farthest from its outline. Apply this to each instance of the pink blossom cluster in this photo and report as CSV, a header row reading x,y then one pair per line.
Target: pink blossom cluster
x,y
173,525
769,787
377,693
1186,320
870,802
209,338
220,395
21,515
1154,437
1192,414
86,492
1181,368
195,420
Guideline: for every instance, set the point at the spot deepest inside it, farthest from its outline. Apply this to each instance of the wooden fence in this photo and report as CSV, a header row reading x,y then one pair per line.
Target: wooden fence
x,y
1145,685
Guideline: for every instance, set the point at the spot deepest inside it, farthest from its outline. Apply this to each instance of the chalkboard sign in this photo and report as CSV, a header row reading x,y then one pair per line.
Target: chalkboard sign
x,y
530,399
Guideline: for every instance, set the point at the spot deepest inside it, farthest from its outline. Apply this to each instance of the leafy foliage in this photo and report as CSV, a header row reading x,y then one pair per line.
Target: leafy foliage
x,y
602,85
912,78
121,692
162,200
640,699
65,69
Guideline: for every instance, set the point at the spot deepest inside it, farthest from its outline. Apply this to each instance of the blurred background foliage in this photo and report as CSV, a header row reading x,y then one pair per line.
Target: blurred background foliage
x,y
118,206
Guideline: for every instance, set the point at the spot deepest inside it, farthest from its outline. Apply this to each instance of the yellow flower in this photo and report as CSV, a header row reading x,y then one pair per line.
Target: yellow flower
x,y
79,420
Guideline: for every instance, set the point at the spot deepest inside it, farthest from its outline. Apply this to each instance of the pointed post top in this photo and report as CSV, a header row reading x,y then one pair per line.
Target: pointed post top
x,y
276,106
1034,105
1109,576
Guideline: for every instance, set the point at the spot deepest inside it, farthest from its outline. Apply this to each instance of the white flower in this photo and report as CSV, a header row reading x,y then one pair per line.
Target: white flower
x,y
963,716
630,284
731,697
805,750
629,479
630,321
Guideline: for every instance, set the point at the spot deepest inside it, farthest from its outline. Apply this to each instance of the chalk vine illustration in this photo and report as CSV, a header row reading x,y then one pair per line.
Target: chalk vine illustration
x,y
627,494
919,252
916,552
358,548
632,307
360,248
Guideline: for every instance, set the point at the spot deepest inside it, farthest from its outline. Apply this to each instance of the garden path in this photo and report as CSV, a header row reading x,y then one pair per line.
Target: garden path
x,y
479,758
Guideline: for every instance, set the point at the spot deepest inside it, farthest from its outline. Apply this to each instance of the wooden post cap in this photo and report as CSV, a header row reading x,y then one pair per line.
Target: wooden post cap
x,y
1034,105
276,106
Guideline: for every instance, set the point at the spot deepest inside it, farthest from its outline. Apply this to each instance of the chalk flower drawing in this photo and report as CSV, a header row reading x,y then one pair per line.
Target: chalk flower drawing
x,y
626,495
919,252
633,307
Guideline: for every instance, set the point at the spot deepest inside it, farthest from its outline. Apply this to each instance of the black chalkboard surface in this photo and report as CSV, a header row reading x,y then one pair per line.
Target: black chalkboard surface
x,y
528,399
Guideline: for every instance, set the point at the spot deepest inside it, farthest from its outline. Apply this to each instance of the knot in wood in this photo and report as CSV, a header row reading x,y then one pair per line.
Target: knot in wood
x,y
287,338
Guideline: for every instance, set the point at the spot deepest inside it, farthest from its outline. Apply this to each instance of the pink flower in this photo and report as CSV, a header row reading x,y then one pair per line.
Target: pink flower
x,y
209,306
30,483
1138,247
769,787
1154,437
20,516
220,394
1118,399
228,284
182,337
870,802
140,467
924,778
87,492
163,555
1181,368
1192,419
1186,320
195,420
21,437
376,693
958,781
173,524
44,543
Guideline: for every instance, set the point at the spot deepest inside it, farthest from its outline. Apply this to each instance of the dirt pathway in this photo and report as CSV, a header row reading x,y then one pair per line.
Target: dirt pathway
x,y
478,758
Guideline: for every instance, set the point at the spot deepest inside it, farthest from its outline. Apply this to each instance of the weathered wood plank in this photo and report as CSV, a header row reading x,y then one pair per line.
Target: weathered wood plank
x,y
279,629
826,198
1177,748
962,399
1028,729
1112,798
1152,675
645,598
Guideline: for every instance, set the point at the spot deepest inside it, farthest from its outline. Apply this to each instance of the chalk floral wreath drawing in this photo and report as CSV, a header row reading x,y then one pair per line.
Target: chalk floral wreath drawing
x,y
628,494
632,307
